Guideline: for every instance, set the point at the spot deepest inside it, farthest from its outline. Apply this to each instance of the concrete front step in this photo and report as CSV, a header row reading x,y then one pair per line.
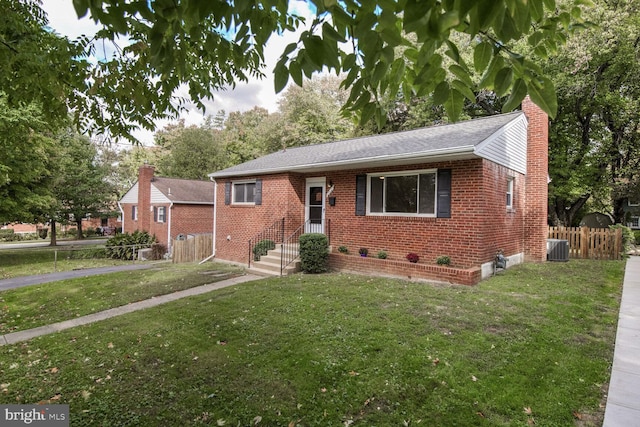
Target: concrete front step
x,y
270,263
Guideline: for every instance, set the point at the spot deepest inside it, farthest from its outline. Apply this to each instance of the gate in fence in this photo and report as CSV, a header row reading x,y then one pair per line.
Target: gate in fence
x,y
194,248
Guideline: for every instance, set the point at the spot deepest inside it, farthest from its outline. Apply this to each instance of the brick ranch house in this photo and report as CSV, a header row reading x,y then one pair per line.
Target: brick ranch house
x,y
167,207
464,190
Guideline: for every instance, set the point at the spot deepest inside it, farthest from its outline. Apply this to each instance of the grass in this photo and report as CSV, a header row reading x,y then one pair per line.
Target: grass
x,y
38,305
17,262
532,345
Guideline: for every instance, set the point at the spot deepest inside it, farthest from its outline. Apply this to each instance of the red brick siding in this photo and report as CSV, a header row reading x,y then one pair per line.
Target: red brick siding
x,y
536,230
478,227
282,197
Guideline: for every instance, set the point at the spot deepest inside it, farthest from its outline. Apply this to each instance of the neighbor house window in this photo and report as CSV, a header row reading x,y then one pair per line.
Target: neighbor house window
x,y
632,202
160,214
134,213
634,222
244,192
510,187
402,193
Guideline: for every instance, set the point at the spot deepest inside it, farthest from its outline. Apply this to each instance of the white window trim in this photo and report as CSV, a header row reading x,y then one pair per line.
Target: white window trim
x,y
402,173
233,192
510,191
162,218
630,203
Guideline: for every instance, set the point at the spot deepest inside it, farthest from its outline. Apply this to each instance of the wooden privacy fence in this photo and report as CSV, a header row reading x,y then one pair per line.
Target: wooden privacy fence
x,y
193,249
590,243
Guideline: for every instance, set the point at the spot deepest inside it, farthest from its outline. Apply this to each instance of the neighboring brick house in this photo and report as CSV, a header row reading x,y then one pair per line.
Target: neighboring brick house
x,y
465,190
167,207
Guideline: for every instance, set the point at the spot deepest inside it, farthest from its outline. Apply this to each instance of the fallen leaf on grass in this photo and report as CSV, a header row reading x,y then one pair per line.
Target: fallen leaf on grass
x,y
577,415
531,422
528,410
436,361
86,394
354,373
110,345
53,370
473,378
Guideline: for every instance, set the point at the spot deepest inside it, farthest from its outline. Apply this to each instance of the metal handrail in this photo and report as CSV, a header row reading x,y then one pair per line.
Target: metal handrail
x,y
273,233
290,250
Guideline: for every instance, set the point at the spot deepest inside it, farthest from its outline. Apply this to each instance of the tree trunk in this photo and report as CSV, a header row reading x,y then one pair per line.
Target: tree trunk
x,y
54,239
80,235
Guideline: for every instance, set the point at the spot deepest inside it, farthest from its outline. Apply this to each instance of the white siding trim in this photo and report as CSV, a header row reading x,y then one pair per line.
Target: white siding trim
x,y
157,197
508,146
131,196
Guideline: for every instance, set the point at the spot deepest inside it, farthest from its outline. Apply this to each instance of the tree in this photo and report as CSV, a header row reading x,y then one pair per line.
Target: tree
x,y
191,152
24,163
310,115
594,140
80,183
207,45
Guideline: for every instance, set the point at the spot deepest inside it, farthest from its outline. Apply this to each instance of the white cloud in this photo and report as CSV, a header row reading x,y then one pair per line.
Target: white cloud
x,y
63,20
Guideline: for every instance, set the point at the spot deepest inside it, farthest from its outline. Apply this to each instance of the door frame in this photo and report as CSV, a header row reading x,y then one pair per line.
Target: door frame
x,y
315,182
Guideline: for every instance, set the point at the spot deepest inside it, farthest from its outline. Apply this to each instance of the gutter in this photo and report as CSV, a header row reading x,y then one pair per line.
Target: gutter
x,y
121,213
215,222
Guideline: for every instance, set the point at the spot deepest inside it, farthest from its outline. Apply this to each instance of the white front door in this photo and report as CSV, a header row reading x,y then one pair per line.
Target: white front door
x,y
314,205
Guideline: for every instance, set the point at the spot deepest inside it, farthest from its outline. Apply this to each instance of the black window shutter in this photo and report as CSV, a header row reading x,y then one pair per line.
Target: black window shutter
x,y
155,214
361,195
258,197
227,193
133,212
444,193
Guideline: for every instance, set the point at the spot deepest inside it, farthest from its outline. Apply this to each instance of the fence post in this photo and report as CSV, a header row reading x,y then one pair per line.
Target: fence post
x,y
584,242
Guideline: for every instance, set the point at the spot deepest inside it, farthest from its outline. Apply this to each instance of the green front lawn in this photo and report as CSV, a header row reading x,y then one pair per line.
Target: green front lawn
x,y
533,345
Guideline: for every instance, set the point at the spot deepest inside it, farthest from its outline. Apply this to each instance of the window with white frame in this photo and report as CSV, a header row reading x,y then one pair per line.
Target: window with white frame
x,y
244,192
160,214
134,213
634,222
411,193
633,202
510,189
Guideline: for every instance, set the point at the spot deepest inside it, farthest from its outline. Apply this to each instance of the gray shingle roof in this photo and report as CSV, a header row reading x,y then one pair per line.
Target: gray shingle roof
x,y
185,191
451,139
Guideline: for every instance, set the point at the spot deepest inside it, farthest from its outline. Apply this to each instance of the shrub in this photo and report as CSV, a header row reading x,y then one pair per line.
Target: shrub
x,y
363,251
628,236
343,250
158,251
413,257
382,255
443,260
262,248
9,235
125,245
314,253
636,236
43,232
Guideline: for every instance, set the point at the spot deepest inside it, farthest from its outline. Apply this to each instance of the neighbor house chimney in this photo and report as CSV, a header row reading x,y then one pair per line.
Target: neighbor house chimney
x,y
535,211
145,176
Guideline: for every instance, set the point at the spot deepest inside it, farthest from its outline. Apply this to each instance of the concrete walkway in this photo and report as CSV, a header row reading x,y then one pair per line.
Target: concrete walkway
x,y
21,281
623,401
28,334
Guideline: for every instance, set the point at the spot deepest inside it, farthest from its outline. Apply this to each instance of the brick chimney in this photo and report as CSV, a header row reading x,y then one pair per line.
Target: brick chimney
x,y
535,215
145,176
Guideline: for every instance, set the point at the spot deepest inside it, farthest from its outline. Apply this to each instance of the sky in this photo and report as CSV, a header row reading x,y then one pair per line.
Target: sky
x,y
64,21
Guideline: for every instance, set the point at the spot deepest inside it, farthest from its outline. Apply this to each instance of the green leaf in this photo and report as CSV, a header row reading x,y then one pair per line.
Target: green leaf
x,y
314,46
482,54
441,93
367,113
281,76
328,32
462,74
503,81
296,72
543,94
454,104
518,93
464,90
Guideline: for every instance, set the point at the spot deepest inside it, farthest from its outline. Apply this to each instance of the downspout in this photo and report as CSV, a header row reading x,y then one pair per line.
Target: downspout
x,y
215,222
121,213
169,245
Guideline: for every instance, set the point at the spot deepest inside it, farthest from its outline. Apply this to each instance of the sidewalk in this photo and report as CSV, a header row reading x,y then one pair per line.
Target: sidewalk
x,y
28,334
623,402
